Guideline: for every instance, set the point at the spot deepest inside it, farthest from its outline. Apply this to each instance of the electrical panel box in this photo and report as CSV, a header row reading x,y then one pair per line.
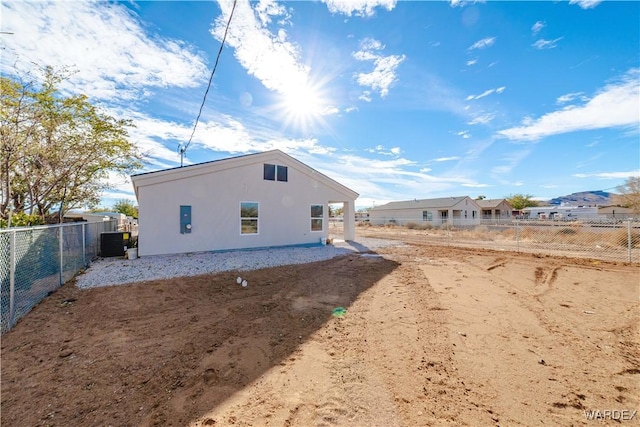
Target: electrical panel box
x,y
185,219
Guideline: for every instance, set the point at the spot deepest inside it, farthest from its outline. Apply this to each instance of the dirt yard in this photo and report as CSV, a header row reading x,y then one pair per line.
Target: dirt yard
x,y
430,336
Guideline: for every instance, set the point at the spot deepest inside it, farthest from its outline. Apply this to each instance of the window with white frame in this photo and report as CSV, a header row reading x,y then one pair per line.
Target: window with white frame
x,y
317,217
427,216
249,217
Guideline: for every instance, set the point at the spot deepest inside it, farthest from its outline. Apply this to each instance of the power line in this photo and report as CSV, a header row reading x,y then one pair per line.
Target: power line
x,y
224,38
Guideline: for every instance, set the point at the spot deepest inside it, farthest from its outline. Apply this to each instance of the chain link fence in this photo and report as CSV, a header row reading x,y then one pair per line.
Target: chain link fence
x,y
35,261
602,239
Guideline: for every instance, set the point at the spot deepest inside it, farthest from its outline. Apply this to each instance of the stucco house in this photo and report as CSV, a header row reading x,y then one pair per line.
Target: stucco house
x,y
252,201
495,209
455,210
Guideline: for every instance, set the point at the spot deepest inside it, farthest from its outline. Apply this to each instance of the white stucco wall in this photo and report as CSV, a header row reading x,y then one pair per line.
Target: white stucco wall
x,y
215,197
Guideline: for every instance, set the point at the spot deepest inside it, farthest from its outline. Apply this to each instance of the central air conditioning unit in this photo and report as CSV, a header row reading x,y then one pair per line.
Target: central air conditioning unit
x,y
113,243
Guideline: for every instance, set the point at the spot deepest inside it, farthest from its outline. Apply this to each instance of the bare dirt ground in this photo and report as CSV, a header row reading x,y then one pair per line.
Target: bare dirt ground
x,y
431,336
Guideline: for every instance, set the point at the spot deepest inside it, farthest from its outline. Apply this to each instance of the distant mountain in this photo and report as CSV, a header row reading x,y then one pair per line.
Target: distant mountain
x,y
585,198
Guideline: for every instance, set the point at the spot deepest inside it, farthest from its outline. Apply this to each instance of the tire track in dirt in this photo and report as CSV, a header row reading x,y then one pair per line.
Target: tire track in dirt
x,y
565,347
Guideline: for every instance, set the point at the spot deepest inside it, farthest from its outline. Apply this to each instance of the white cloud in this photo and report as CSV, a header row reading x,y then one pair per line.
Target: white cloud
x,y
482,119
483,43
586,4
384,74
472,62
475,185
381,149
464,134
486,93
358,7
270,58
535,29
446,159
609,175
114,56
546,44
462,3
616,105
570,97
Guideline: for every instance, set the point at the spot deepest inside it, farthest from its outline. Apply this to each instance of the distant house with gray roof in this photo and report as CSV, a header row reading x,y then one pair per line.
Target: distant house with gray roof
x,y
461,210
495,208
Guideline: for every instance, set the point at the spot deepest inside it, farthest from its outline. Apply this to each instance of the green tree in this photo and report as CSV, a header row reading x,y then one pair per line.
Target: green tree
x,y
629,194
521,201
126,207
57,151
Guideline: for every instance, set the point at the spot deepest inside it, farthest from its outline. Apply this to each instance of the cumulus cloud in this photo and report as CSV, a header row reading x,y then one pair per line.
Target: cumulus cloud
x,y
546,44
111,52
383,75
615,105
269,57
483,43
358,7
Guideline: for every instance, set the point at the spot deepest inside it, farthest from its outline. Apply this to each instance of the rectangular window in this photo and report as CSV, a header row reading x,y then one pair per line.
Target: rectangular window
x,y
316,217
276,173
269,172
249,218
283,173
427,216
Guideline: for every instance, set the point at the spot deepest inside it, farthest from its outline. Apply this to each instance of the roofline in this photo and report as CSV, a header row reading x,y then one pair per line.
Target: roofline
x,y
191,170
384,207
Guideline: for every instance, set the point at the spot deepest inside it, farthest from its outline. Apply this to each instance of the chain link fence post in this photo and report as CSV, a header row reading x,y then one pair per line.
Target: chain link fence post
x,y
84,246
629,240
12,277
517,236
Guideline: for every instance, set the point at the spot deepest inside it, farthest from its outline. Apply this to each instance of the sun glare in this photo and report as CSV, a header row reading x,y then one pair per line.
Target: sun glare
x,y
303,107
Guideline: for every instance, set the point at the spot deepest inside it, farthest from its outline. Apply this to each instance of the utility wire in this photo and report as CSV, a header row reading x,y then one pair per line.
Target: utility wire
x,y
224,38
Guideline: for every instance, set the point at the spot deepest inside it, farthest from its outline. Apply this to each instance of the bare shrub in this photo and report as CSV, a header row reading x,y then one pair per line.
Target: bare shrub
x,y
413,226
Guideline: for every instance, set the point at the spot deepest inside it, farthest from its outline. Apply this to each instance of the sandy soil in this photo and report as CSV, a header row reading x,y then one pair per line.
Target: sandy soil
x,y
431,336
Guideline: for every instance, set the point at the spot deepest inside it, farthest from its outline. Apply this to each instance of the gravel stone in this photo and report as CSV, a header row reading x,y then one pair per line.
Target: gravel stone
x,y
119,271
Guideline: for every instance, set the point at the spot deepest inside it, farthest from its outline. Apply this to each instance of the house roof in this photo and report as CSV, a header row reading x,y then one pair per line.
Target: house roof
x,y
490,203
165,175
443,202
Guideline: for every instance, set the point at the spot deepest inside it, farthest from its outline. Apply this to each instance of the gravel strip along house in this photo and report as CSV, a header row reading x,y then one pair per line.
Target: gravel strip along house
x,y
257,200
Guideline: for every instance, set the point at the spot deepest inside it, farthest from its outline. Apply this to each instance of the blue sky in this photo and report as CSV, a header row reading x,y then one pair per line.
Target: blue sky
x,y
396,100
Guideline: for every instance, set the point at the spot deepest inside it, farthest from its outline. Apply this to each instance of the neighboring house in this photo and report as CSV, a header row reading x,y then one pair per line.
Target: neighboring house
x,y
495,209
560,212
258,200
456,210
616,212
